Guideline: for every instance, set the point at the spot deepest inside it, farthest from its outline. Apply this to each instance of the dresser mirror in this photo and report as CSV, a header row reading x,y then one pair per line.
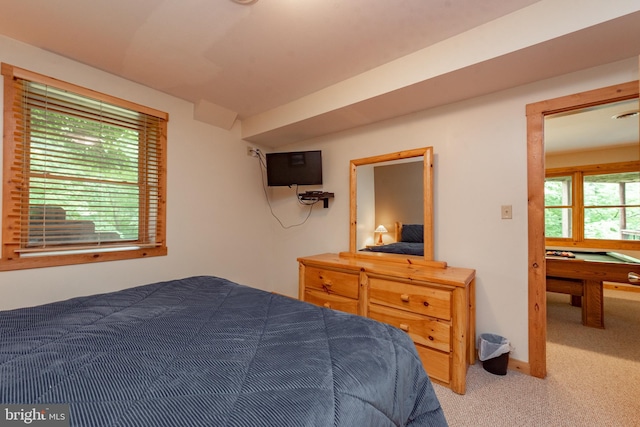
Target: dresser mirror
x,y
414,202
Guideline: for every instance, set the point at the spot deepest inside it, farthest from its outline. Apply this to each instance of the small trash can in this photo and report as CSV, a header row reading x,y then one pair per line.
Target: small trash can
x,y
494,353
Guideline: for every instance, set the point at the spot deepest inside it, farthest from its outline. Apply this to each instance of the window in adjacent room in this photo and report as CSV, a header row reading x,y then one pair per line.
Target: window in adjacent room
x,y
612,206
593,206
558,191
84,175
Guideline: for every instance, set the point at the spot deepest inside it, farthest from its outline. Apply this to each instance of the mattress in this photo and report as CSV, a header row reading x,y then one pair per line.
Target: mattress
x,y
210,352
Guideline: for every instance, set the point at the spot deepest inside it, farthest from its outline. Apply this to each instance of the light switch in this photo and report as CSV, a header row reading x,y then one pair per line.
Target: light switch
x,y
506,212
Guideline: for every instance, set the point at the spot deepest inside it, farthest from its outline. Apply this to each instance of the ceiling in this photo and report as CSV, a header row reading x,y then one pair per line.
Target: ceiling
x,y
239,62
614,124
244,58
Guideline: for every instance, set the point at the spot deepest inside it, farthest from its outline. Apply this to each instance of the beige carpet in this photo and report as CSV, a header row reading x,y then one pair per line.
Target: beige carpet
x,y
593,375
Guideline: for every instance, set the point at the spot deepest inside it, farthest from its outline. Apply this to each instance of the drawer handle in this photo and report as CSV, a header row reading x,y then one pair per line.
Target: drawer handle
x,y
404,297
326,286
431,338
404,327
327,305
426,303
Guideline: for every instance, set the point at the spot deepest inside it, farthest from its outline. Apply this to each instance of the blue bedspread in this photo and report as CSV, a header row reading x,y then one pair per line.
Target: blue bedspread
x,y
405,248
204,351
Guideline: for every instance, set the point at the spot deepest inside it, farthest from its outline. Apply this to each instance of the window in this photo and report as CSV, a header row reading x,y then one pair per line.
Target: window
x,y
612,206
594,206
558,192
87,175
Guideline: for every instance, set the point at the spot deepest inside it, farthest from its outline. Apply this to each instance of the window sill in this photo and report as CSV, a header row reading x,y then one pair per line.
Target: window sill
x,y
41,260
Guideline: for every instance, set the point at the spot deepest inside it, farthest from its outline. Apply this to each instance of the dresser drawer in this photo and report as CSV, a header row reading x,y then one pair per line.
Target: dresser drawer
x,y
417,299
437,364
335,302
332,282
422,330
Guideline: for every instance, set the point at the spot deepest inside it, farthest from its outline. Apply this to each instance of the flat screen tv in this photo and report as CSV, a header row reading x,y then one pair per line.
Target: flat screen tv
x,y
294,168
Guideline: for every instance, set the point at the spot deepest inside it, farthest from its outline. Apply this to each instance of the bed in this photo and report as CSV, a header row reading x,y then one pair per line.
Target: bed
x,y
409,241
206,351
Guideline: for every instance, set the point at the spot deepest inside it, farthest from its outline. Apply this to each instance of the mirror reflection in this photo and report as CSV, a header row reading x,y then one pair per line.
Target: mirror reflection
x,y
391,205
388,193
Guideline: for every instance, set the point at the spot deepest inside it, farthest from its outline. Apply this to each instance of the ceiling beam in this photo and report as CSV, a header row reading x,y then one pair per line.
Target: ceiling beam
x,y
474,63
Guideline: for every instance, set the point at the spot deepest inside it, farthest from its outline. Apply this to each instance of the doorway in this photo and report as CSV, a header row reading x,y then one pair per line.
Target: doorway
x,y
536,113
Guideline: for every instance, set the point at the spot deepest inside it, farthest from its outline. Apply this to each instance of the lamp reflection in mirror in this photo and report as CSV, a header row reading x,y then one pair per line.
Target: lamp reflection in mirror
x,y
381,230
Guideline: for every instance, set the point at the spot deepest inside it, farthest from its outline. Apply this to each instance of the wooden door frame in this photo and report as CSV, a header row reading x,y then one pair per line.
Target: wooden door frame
x,y
535,186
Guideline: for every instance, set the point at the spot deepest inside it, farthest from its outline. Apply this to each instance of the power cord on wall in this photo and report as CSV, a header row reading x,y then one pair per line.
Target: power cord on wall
x,y
263,170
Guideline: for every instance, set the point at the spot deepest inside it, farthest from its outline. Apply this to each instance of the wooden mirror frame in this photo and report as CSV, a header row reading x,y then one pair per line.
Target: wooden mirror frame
x,y
427,154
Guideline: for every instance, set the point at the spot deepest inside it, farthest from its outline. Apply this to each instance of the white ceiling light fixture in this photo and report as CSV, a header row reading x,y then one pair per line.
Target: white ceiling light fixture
x,y
245,1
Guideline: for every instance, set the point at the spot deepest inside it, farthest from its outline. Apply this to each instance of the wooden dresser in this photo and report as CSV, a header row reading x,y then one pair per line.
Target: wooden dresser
x,y
435,306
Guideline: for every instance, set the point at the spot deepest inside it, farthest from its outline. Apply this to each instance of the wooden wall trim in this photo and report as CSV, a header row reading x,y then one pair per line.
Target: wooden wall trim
x,y
537,304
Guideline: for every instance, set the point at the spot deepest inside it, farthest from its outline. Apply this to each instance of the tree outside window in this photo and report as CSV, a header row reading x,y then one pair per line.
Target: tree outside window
x,y
590,207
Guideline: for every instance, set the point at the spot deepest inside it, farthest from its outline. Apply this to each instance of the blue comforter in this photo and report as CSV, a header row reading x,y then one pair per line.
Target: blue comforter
x,y
206,351
405,248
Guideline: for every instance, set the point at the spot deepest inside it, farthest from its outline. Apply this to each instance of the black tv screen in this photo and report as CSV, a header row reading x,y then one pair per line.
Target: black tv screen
x,y
294,168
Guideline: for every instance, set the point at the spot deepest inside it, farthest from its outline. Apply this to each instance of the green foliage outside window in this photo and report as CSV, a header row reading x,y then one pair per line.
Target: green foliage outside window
x,y
557,193
611,206
608,201
90,169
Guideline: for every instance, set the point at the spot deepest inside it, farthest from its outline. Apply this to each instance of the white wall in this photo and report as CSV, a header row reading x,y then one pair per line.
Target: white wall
x,y
366,202
480,164
624,153
217,218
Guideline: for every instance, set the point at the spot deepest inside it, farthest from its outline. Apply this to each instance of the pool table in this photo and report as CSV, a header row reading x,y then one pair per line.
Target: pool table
x,y
582,276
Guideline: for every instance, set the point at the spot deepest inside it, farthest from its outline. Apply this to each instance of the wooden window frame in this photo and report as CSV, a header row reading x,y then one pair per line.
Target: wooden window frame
x,y
13,256
577,174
